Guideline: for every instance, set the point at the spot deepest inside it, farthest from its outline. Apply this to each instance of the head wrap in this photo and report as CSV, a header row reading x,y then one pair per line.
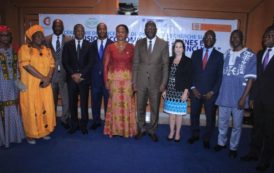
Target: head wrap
x,y
4,28
33,29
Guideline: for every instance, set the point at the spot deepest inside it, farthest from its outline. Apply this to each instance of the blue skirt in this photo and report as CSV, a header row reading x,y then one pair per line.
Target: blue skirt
x,y
175,107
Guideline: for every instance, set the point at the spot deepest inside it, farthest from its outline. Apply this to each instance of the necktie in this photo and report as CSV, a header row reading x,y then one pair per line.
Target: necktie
x,y
150,46
101,50
205,59
78,50
58,53
266,58
58,48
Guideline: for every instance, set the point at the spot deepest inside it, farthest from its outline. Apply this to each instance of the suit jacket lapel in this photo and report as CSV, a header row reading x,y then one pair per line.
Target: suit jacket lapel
x,y
63,40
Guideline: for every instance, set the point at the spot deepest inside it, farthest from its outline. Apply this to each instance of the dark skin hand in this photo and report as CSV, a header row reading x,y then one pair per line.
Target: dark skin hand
x,y
208,95
76,77
241,102
44,79
196,93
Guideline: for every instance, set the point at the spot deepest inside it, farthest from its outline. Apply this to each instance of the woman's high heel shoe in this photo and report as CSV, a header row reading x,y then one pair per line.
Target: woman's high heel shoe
x,y
170,139
176,140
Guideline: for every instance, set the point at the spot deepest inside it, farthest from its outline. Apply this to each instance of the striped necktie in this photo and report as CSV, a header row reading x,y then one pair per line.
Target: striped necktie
x,y
205,58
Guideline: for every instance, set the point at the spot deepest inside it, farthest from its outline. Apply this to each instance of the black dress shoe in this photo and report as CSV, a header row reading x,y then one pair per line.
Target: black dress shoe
x,y
192,139
72,130
153,137
139,135
232,154
94,126
84,130
65,125
206,144
219,147
261,167
248,158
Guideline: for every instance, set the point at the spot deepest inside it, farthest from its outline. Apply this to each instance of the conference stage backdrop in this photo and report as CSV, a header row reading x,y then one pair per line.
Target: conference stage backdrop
x,y
191,30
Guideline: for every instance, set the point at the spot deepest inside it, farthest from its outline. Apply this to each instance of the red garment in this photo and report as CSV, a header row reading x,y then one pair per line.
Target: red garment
x,y
121,115
116,60
4,28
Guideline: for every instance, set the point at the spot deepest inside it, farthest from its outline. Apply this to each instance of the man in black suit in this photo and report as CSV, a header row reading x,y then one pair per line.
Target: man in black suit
x,y
207,67
78,61
56,42
98,89
262,140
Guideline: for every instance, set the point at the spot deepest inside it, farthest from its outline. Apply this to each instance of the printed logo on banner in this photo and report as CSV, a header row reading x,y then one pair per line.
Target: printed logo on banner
x,y
47,21
214,27
91,23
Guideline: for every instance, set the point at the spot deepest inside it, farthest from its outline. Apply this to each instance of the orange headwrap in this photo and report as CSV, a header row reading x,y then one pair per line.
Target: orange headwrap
x,y
33,29
4,28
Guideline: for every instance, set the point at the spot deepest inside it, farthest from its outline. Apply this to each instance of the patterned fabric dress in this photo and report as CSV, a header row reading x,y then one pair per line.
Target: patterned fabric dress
x,y
11,129
37,105
120,117
173,103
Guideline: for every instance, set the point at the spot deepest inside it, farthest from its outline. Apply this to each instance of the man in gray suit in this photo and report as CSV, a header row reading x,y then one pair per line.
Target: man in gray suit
x,y
56,42
150,74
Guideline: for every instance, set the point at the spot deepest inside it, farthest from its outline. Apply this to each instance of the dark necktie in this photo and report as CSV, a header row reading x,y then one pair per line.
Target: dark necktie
x,y
266,58
101,50
78,50
58,54
58,48
150,47
205,58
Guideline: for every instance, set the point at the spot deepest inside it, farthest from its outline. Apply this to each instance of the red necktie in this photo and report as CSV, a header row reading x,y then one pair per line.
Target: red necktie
x,y
205,59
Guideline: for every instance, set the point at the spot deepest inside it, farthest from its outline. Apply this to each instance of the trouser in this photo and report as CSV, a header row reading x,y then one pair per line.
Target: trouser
x,y
223,124
61,88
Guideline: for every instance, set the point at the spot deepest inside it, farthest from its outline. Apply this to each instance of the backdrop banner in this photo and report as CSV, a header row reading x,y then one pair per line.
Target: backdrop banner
x,y
191,30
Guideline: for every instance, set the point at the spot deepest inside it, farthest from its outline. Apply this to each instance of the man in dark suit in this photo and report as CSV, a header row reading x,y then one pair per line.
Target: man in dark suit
x,y
56,42
262,140
78,61
207,67
98,89
150,74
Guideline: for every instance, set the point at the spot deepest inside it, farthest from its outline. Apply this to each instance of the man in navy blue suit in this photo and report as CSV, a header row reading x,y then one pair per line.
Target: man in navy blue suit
x,y
207,70
98,89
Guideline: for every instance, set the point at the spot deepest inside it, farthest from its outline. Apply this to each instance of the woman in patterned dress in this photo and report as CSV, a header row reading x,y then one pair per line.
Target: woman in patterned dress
x,y
176,94
36,65
11,129
120,117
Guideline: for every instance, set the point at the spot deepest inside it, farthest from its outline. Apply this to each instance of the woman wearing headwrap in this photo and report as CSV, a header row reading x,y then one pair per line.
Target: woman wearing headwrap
x,y
37,106
11,129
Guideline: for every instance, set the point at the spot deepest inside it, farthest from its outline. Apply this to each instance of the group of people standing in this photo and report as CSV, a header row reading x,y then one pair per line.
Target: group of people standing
x,y
126,78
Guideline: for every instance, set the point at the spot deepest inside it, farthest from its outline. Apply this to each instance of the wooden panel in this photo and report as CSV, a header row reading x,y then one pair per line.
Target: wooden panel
x,y
242,6
259,19
56,3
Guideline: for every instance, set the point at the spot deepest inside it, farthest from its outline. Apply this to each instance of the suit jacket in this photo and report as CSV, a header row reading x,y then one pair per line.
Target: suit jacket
x,y
210,78
150,69
72,64
98,68
264,83
183,76
61,75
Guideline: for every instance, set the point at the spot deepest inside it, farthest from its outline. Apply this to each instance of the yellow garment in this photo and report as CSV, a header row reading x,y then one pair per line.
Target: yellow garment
x,y
37,105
